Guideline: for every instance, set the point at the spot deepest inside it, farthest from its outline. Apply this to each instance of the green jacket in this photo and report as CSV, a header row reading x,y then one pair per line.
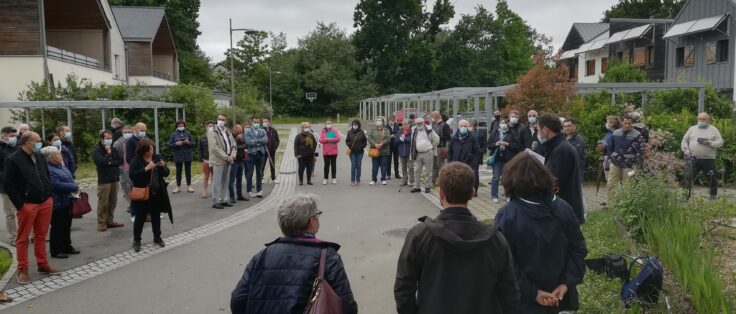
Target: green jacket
x,y
380,137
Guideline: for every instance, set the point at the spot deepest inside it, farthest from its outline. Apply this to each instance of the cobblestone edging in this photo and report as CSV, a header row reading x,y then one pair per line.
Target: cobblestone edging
x,y
78,274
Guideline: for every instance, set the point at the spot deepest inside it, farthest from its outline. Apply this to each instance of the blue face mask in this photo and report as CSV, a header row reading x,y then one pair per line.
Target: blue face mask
x,y
702,124
142,134
180,129
463,130
127,136
13,140
107,142
256,125
56,143
37,147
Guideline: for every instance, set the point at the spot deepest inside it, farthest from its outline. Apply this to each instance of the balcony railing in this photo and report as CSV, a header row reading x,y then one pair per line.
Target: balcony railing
x,y
73,58
161,75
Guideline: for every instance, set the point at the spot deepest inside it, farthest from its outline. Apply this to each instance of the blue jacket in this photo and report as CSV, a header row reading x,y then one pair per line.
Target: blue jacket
x,y
627,148
183,152
69,157
548,249
62,184
404,147
279,278
256,139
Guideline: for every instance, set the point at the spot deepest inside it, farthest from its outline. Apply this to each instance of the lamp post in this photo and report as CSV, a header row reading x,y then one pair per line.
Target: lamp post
x,y
248,31
270,76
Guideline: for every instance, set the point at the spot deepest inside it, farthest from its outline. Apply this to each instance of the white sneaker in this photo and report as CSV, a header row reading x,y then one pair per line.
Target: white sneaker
x,y
372,183
495,200
132,219
334,181
383,182
276,181
161,216
259,194
324,181
251,194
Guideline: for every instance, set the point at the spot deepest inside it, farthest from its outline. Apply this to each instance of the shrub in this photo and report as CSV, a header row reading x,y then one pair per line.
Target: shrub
x,y
623,72
679,100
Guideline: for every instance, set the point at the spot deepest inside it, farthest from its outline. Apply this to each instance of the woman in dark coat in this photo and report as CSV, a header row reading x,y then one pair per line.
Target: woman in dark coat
x,y
149,170
305,144
181,143
356,141
62,186
545,238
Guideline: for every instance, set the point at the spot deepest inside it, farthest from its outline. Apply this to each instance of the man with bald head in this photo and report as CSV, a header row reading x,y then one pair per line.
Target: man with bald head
x,y
700,144
463,147
529,133
139,132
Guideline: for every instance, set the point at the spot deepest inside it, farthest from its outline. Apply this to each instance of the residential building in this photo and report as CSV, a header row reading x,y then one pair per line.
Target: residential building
x,y
585,53
640,42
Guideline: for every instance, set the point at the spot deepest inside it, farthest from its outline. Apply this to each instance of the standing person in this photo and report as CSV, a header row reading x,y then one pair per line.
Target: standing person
x,y
30,192
443,131
700,144
222,150
356,141
578,142
149,170
424,141
314,158
280,278
204,157
504,144
329,138
639,125
482,139
561,159
454,263
403,145
257,141
463,146
495,122
627,153
304,147
53,139
139,133
182,143
8,146
612,123
107,161
394,128
116,127
23,128
273,145
62,187
543,232
380,138
68,151
529,133
121,146
235,185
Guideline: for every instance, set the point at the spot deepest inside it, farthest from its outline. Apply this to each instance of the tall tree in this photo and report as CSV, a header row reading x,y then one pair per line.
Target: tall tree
x,y
644,9
544,87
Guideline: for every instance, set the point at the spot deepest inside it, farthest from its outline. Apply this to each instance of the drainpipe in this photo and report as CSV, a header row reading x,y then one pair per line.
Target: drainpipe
x,y
127,75
44,47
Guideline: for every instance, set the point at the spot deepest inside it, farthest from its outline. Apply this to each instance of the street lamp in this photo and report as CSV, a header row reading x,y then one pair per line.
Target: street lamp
x,y
248,31
270,75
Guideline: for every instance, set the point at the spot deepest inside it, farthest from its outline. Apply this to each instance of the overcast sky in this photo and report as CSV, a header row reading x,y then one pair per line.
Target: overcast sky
x,y
297,17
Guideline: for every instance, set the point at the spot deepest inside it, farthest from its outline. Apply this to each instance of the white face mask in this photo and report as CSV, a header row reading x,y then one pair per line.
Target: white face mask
x,y
532,119
355,127
329,126
220,123
379,123
514,120
266,124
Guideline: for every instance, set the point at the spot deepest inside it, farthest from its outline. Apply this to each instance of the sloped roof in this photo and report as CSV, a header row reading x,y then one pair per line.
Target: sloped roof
x,y
589,31
138,23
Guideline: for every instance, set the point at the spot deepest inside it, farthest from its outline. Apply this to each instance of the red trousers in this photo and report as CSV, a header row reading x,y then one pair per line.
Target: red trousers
x,y
38,218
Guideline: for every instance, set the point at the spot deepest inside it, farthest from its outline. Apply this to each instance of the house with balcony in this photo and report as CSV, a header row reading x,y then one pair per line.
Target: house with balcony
x,y
585,53
640,42
699,45
152,58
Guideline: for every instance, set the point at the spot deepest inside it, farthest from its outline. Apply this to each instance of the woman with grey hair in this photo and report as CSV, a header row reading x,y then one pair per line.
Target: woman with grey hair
x,y
279,278
62,186
380,138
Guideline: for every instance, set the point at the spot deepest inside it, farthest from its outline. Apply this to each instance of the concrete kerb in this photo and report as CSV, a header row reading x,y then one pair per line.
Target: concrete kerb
x,y
13,265
69,277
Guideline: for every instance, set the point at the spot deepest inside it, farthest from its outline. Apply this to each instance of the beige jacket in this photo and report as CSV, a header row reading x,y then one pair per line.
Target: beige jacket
x,y
217,147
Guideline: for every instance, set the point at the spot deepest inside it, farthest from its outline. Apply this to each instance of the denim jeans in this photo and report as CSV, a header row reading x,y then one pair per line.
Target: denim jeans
x,y
356,161
380,162
497,172
255,163
236,179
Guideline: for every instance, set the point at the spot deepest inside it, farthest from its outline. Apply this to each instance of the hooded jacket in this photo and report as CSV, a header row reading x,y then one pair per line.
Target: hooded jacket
x,y
455,264
548,249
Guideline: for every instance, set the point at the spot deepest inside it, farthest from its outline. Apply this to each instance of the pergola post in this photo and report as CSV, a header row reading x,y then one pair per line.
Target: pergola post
x,y
183,113
455,105
43,125
177,114
489,111
701,100
644,99
155,127
102,115
613,97
69,118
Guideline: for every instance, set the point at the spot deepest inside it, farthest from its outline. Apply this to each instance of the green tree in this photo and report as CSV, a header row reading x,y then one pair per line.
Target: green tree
x,y
644,9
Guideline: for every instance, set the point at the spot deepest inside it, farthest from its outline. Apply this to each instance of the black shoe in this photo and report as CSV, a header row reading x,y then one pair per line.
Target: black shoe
x,y
300,183
72,250
226,204
310,183
415,190
232,200
398,177
137,246
242,198
159,242
426,190
60,255
218,206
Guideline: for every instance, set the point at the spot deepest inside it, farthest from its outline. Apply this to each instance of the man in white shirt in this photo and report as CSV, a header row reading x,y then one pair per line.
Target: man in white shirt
x,y
700,144
423,151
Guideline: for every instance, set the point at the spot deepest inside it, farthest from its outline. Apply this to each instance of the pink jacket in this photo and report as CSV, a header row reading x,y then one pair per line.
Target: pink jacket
x,y
329,145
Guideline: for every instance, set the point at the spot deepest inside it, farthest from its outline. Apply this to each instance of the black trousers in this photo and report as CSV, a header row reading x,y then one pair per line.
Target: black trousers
x,y
477,177
187,168
330,161
305,164
394,156
271,162
154,209
708,168
61,223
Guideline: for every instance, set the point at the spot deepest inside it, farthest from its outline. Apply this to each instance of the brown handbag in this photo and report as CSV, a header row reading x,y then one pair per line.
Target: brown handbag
x,y
375,152
349,151
80,206
141,194
323,300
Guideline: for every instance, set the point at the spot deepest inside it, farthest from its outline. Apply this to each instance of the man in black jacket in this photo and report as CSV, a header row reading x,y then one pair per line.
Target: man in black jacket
x,y
107,161
440,127
454,263
562,160
570,127
272,146
30,192
394,128
8,142
482,140
463,146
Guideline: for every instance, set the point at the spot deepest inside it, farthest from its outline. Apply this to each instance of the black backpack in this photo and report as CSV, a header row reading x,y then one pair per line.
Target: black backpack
x,y
644,288
613,265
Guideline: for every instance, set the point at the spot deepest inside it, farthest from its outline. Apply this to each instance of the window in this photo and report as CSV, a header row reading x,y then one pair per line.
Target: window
x,y
640,57
604,65
722,51
679,57
710,52
589,67
117,66
689,56
620,56
650,55
684,56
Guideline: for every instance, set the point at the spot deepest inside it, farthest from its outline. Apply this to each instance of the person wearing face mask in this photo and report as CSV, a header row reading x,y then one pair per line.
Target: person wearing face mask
x,y
120,145
62,186
329,138
393,157
107,161
380,138
528,133
272,146
30,192
570,126
424,141
701,143
116,127
147,169
68,151
356,142
238,168
627,153
504,144
463,147
403,141
562,160
204,157
181,143
305,144
482,139
222,150
139,133
8,146
257,141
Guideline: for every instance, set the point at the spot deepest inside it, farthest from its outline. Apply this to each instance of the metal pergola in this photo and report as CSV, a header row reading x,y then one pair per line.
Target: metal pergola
x,y
94,104
370,108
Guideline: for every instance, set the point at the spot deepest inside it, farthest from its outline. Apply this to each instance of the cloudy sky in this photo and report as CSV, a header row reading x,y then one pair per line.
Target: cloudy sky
x,y
297,17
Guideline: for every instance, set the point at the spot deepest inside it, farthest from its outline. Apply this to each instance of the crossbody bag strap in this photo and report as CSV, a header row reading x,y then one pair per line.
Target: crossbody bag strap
x,y
322,260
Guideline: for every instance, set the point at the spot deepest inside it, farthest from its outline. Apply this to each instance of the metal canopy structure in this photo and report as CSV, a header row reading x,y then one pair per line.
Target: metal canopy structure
x,y
471,96
696,26
94,104
632,33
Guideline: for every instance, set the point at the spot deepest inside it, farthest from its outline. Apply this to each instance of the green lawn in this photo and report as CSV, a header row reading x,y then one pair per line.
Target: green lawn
x,y
5,260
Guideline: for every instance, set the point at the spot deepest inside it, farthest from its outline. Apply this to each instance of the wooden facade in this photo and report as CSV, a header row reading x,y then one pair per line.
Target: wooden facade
x,y
20,29
140,61
649,52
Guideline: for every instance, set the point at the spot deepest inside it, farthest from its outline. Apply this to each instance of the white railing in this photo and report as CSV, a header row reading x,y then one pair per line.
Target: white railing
x,y
73,58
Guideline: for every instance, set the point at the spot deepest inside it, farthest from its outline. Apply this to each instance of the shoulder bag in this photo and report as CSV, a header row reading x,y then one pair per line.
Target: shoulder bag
x,y
141,194
375,152
323,300
80,206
